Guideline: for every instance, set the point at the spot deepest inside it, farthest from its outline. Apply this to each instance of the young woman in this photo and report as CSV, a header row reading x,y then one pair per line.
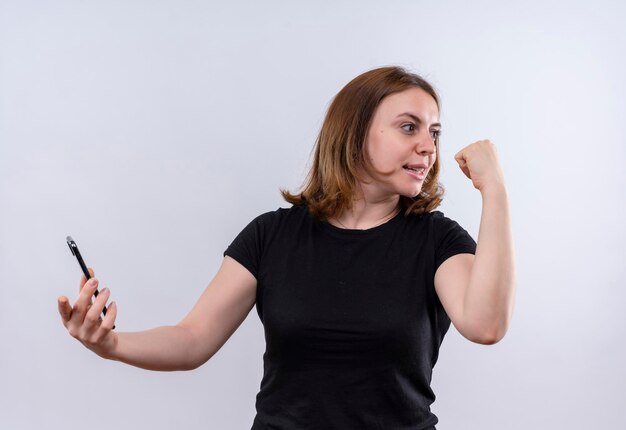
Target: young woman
x,y
357,283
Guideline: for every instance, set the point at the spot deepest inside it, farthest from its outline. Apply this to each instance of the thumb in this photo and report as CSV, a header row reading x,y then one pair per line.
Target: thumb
x,y
83,280
460,158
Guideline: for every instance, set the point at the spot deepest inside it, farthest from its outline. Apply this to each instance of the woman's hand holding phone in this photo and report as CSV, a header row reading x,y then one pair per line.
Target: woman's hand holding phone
x,y
83,321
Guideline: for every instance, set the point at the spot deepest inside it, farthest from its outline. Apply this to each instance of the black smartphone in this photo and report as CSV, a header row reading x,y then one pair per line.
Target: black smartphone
x,y
75,252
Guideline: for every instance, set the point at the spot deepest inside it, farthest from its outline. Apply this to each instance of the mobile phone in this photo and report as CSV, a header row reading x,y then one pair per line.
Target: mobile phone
x,y
75,252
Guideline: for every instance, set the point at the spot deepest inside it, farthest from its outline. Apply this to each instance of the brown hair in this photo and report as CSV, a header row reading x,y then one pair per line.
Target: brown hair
x,y
332,181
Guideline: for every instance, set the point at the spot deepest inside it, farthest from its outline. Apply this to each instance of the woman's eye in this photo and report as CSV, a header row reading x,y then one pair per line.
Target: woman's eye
x,y
411,127
436,134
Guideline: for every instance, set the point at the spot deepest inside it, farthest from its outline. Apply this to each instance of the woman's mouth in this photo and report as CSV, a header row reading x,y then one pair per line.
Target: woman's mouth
x,y
418,173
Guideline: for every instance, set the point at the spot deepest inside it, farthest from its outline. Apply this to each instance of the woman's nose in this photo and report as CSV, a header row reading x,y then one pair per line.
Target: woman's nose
x,y
426,144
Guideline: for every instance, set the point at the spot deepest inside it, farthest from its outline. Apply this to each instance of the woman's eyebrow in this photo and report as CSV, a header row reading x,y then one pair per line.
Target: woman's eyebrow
x,y
417,119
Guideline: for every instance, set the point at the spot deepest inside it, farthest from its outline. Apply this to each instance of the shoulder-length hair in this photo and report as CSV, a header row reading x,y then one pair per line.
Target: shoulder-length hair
x,y
332,181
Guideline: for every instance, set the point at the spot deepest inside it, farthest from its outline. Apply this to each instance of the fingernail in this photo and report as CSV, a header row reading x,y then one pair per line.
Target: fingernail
x,y
94,282
104,290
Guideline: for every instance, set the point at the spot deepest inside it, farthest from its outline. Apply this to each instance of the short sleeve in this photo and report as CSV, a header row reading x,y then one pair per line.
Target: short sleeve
x,y
450,239
247,248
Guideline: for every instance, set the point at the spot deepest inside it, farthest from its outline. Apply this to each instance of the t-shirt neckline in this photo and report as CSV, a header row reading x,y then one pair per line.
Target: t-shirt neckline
x,y
358,232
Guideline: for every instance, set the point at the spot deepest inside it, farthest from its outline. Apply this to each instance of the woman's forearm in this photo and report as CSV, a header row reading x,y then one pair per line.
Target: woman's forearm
x,y
164,348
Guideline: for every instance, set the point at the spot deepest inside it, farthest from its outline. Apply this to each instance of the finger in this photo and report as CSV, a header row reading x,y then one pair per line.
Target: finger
x,y
83,279
65,310
460,156
460,159
466,171
109,320
83,302
92,317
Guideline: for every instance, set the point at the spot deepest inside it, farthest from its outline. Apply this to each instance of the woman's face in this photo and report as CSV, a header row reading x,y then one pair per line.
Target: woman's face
x,y
400,143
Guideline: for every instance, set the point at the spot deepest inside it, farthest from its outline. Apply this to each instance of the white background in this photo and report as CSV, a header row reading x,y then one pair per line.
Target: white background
x,y
153,132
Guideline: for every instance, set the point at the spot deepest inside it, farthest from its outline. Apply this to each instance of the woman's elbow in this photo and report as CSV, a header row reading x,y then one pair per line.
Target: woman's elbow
x,y
491,337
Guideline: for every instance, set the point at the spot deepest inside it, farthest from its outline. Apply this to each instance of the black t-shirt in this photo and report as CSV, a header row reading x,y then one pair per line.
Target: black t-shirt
x,y
352,320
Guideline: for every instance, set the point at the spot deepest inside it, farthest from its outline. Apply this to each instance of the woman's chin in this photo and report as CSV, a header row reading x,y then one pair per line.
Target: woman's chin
x,y
412,193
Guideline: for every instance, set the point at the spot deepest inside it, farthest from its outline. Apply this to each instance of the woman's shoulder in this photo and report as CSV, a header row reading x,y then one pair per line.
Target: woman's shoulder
x,y
282,214
434,215
424,216
434,219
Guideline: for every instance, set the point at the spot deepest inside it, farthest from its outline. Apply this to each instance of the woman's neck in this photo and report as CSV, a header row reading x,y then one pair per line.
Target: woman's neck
x,y
367,214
